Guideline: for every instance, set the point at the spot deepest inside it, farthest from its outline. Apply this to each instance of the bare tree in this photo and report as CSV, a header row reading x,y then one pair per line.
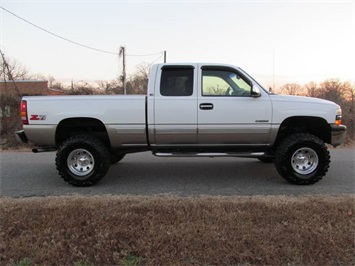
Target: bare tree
x,y
138,83
341,93
10,98
143,70
12,70
54,85
9,118
311,89
333,90
292,89
82,88
110,87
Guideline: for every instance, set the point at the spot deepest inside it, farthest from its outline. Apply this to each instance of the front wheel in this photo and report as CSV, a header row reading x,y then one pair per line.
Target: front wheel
x,y
302,159
82,160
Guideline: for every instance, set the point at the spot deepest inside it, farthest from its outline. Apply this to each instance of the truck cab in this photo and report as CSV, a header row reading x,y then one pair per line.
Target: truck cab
x,y
204,105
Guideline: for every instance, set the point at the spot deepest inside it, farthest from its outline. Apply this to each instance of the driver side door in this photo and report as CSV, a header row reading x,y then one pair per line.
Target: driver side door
x,y
227,112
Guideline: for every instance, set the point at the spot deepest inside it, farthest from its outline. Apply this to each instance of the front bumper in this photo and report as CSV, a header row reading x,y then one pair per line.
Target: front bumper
x,y
338,134
21,136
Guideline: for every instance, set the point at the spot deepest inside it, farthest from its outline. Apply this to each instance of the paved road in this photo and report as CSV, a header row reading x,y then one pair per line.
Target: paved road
x,y
25,174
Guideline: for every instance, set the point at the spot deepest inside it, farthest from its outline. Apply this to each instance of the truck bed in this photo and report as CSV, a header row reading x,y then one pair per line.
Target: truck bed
x,y
121,114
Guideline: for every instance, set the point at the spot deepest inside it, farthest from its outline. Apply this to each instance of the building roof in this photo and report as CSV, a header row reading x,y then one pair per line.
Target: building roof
x,y
26,87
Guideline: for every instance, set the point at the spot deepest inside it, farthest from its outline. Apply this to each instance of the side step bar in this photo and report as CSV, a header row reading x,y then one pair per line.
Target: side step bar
x,y
209,154
43,149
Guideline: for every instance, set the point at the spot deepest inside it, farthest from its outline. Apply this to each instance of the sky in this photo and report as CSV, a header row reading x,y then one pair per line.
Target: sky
x,y
275,41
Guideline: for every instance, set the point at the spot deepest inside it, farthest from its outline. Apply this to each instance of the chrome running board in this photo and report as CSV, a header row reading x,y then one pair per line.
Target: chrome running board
x,y
209,154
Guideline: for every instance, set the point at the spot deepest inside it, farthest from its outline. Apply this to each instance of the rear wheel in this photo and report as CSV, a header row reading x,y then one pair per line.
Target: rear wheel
x,y
302,159
82,160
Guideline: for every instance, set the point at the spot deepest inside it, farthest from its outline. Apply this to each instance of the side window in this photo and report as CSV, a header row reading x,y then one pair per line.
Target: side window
x,y
224,83
176,82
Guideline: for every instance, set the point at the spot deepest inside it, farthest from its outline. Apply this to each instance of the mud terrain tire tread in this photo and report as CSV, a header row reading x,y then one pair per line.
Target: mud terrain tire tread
x,y
95,147
288,147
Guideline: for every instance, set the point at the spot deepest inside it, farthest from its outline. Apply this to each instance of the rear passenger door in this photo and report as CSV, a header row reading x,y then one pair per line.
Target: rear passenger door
x,y
175,106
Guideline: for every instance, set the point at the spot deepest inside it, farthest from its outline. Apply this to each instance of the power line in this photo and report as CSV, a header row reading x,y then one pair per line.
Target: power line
x,y
56,35
68,40
155,60
144,54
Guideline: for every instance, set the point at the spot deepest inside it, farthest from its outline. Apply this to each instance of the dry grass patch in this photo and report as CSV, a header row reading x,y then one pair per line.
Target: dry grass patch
x,y
117,230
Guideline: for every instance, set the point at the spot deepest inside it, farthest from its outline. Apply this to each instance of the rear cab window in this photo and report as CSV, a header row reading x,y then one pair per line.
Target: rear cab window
x,y
177,81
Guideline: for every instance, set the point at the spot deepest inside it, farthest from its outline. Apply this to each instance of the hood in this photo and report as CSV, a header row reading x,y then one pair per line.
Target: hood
x,y
301,99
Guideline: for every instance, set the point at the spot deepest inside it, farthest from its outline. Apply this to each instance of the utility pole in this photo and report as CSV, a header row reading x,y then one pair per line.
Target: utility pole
x,y
164,56
122,53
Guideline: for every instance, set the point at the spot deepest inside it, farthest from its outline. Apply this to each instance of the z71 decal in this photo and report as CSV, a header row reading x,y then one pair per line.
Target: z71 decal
x,y
38,117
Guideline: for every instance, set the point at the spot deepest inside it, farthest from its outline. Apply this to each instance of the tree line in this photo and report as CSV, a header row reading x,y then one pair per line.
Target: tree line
x,y
136,83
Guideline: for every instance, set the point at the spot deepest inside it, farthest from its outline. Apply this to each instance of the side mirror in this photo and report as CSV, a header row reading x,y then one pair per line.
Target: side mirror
x,y
255,92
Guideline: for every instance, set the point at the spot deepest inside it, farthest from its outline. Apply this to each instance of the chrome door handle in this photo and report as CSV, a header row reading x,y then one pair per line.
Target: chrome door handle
x,y
206,106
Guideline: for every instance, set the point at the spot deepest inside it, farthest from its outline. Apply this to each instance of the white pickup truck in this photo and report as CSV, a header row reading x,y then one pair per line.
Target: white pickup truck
x,y
190,110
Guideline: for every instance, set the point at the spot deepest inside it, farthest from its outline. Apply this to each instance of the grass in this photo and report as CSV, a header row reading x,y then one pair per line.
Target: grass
x,y
119,230
132,259
24,262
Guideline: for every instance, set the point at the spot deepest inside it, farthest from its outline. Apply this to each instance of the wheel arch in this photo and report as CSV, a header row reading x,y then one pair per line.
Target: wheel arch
x,y
316,126
78,125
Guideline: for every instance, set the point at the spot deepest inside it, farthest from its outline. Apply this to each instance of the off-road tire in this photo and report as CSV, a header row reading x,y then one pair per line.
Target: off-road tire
x,y
82,160
302,159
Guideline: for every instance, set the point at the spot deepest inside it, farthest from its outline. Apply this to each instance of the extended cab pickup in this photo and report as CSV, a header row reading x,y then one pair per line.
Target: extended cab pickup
x,y
190,110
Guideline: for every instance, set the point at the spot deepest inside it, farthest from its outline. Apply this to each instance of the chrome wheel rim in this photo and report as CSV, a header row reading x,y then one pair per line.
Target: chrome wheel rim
x,y
304,161
80,162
